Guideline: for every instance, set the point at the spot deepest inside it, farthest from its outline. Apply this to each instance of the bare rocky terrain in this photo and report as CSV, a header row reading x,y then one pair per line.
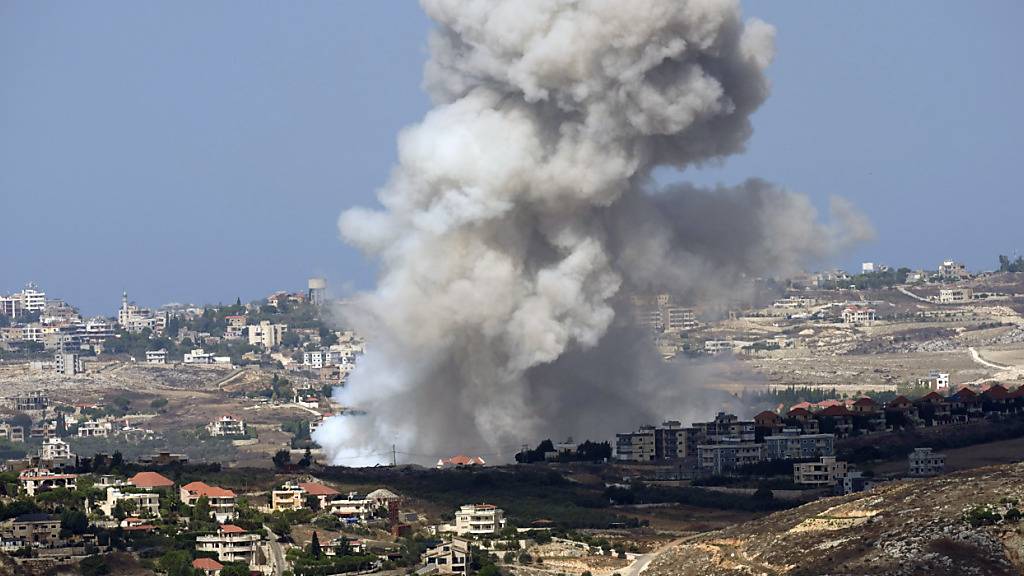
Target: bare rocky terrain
x,y
899,528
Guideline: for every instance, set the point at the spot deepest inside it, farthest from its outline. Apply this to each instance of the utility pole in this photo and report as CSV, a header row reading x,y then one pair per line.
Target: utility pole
x,y
394,457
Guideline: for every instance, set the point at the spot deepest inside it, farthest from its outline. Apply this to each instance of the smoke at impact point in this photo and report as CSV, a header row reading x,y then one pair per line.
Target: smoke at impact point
x,y
522,212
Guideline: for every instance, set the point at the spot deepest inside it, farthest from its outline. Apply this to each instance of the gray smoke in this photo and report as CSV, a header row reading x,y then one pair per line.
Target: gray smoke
x,y
521,213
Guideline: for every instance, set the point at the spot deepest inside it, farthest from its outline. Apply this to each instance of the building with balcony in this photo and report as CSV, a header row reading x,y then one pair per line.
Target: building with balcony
x,y
142,504
924,462
479,520
226,426
826,472
220,500
232,544
792,445
36,480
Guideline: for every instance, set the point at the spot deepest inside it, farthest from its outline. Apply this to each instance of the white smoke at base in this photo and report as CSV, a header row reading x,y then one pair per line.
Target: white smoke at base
x,y
521,210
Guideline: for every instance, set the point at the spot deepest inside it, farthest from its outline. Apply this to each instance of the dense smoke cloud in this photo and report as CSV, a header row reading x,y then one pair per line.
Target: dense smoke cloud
x,y
521,212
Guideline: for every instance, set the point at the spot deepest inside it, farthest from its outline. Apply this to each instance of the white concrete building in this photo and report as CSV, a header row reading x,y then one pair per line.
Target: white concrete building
x,y
55,450
231,544
955,295
924,462
226,425
858,315
141,504
266,334
479,520
102,428
36,480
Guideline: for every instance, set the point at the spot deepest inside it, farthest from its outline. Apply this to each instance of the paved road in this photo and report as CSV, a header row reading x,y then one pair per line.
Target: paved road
x,y
277,550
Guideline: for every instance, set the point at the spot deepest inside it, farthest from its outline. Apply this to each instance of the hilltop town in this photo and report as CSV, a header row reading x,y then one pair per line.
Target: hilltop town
x,y
177,440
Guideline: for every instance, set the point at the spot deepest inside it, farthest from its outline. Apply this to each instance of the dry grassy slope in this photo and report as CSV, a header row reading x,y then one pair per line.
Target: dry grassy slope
x,y
909,527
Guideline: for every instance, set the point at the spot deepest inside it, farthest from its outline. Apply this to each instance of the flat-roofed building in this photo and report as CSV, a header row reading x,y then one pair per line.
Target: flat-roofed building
x,y
825,472
479,520
792,445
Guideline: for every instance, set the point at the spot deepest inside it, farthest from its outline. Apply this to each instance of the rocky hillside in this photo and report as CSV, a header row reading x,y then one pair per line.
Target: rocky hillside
x,y
963,523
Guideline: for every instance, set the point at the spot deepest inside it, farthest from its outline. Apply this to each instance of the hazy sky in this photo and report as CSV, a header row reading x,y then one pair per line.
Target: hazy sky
x,y
199,151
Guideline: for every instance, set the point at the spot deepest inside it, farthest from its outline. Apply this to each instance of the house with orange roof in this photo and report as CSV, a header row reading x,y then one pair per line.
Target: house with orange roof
x,y
207,566
293,495
996,398
461,461
150,481
767,423
868,415
836,419
220,500
965,404
933,408
901,412
803,419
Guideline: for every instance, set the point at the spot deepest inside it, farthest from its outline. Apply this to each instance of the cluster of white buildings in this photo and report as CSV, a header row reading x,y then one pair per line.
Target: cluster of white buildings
x,y
134,319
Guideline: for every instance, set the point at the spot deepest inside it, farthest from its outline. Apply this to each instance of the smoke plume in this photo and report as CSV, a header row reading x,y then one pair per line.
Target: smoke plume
x,y
521,212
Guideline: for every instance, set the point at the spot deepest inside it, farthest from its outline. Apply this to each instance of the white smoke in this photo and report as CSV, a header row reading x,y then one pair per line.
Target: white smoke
x,y
521,210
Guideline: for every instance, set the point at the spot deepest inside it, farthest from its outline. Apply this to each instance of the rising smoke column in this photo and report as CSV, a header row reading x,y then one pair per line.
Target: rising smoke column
x,y
522,209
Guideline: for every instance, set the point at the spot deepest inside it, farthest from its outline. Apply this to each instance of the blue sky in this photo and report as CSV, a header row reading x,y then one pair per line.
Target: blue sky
x,y
199,151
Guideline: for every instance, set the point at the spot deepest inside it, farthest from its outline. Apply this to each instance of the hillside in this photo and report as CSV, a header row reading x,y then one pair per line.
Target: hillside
x,y
939,526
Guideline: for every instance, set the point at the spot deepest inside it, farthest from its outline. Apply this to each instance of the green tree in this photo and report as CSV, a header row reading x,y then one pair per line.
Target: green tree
x,y
93,566
74,521
282,458
314,546
235,569
176,563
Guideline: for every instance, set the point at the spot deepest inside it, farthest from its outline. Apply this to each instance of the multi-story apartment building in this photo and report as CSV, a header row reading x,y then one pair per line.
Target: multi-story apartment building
x,y
67,363
728,455
924,462
289,496
231,544
55,450
826,472
479,520
792,445
235,329
33,529
636,446
317,359
725,426
266,334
